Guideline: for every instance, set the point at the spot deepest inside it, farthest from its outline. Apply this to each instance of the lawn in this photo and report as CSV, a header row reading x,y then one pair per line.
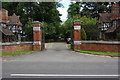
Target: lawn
x,y
68,45
15,53
98,52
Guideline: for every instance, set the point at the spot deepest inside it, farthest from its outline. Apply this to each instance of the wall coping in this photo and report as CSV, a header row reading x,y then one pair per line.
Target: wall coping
x,y
101,42
89,42
15,43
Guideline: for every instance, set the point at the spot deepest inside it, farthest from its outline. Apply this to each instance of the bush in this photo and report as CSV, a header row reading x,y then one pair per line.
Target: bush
x,y
83,34
118,36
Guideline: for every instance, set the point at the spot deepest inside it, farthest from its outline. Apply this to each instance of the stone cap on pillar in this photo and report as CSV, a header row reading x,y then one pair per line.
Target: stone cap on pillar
x,y
77,22
36,23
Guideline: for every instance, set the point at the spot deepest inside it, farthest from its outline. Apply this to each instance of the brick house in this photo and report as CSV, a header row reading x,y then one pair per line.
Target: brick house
x,y
109,23
10,26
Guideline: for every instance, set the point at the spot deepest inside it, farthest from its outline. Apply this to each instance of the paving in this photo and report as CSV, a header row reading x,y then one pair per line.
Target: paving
x,y
57,59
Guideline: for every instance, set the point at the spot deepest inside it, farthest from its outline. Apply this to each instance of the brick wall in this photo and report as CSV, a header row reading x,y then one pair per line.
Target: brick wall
x,y
86,45
105,46
16,46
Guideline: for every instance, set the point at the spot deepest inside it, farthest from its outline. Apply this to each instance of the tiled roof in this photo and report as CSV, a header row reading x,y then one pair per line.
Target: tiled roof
x,y
104,17
112,29
14,20
6,31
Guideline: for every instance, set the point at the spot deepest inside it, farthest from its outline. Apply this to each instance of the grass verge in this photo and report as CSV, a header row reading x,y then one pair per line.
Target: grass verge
x,y
98,52
17,52
69,46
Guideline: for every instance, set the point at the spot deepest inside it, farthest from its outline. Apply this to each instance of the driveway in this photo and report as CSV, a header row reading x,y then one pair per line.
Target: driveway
x,y
58,60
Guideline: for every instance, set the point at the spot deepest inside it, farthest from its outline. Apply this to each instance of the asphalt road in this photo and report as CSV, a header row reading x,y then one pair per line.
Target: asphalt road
x,y
57,59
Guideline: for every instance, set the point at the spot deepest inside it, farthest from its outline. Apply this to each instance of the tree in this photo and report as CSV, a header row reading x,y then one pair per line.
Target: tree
x,y
83,34
28,29
89,24
74,9
92,9
88,9
32,11
88,13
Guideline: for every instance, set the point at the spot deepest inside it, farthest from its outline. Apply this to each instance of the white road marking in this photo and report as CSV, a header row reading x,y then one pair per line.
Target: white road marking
x,y
60,75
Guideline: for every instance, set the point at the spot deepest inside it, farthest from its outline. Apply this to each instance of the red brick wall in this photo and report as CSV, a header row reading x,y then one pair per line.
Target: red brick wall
x,y
37,47
77,46
100,47
17,47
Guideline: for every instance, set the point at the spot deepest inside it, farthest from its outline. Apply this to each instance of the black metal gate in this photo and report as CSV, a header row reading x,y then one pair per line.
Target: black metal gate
x,y
72,36
43,38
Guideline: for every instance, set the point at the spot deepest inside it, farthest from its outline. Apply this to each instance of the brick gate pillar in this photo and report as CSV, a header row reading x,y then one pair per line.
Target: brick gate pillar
x,y
77,34
37,35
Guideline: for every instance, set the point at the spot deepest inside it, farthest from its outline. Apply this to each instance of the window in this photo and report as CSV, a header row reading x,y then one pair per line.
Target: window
x,y
114,23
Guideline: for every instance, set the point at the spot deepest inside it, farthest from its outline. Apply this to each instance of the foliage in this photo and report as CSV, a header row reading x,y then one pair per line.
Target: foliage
x,y
92,9
29,30
67,27
69,46
83,34
88,13
49,30
89,24
118,36
32,11
89,9
74,9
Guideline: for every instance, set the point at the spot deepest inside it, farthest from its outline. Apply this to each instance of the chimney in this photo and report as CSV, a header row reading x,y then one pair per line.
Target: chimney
x,y
115,11
4,15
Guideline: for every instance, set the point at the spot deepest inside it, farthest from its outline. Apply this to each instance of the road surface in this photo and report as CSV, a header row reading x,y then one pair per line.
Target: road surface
x,y
58,60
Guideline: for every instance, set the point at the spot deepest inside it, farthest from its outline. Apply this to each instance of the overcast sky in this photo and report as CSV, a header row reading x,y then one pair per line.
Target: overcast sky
x,y
63,11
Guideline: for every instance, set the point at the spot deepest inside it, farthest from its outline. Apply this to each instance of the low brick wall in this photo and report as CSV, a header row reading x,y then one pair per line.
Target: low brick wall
x,y
105,46
16,46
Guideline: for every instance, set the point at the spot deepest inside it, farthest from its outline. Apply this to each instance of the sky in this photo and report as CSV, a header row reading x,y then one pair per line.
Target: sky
x,y
63,10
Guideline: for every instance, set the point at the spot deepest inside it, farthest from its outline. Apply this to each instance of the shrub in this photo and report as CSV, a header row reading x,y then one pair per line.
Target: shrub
x,y
83,34
118,36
